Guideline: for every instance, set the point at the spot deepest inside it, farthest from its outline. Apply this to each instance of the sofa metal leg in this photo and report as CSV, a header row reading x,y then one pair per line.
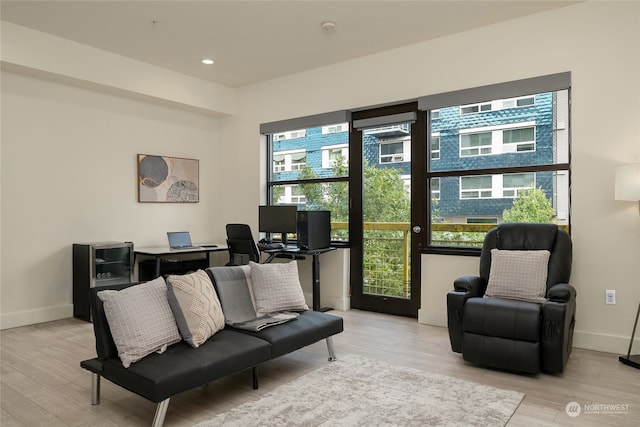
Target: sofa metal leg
x,y
95,389
254,371
161,412
332,353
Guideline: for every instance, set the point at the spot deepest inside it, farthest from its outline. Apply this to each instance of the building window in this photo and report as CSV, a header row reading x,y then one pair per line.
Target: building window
x,y
333,154
391,152
491,160
289,161
513,184
292,134
340,127
475,144
435,188
519,140
482,220
476,108
435,147
476,187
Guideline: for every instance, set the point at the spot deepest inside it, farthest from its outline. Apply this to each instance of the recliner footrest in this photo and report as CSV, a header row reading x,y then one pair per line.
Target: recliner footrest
x,y
510,319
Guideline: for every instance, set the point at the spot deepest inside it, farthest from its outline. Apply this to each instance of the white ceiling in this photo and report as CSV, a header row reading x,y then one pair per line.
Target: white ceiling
x,y
252,41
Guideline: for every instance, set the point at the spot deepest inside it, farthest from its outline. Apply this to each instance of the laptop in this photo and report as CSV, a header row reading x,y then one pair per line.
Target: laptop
x,y
180,240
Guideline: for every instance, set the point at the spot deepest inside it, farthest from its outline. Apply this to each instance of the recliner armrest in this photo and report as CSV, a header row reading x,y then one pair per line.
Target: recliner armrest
x,y
561,292
474,284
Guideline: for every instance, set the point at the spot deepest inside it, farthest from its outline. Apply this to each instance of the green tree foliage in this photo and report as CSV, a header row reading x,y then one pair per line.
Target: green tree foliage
x,y
385,200
385,197
531,206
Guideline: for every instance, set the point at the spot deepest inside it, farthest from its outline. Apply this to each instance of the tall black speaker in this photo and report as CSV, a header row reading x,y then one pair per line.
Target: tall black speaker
x,y
314,229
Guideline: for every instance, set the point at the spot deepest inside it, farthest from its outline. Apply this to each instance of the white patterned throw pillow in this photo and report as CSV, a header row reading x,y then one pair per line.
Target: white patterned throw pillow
x,y
140,320
276,287
519,275
196,307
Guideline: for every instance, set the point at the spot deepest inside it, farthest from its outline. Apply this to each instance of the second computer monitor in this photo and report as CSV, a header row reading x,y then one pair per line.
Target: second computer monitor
x,y
280,219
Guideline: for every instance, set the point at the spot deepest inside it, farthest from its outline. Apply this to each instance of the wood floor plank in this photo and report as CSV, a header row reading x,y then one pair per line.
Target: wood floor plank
x,y
43,384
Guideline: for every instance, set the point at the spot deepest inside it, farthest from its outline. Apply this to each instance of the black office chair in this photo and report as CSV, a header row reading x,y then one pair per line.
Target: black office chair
x,y
242,247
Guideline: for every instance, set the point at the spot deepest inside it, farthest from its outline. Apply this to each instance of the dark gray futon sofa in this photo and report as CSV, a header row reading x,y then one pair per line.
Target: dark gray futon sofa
x,y
158,377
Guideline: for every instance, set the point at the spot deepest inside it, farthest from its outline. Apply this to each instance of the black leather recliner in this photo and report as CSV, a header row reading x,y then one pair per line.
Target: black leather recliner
x,y
510,334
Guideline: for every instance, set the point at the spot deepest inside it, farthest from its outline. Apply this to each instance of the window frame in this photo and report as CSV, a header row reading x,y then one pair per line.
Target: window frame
x,y
340,121
513,90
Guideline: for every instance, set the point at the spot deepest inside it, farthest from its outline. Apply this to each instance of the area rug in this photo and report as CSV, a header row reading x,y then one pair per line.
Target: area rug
x,y
357,391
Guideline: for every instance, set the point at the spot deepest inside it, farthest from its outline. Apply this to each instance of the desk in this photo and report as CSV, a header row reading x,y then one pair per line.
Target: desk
x,y
158,252
315,272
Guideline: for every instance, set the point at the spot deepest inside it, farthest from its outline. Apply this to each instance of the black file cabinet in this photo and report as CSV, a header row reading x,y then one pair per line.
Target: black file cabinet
x,y
98,264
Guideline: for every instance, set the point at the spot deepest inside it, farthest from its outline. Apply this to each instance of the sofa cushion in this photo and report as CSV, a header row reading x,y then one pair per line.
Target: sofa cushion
x,y
195,306
234,289
181,367
519,275
140,320
276,287
310,327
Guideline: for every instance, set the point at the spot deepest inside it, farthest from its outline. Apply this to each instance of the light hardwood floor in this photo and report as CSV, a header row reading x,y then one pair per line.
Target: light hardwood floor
x,y
43,384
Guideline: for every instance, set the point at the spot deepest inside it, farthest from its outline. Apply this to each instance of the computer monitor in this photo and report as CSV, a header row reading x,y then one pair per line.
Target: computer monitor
x,y
278,219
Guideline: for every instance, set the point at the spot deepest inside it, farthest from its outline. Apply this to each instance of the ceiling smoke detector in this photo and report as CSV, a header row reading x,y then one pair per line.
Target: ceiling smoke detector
x,y
328,25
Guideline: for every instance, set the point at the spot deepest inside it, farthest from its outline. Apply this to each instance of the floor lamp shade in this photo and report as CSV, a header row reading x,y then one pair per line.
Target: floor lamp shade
x,y
628,182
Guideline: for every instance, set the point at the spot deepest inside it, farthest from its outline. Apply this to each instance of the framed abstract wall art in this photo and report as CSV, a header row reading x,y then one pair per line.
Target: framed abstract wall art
x,y
163,179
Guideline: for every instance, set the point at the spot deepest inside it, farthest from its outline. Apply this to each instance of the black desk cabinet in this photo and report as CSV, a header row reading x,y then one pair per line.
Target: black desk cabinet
x,y
99,264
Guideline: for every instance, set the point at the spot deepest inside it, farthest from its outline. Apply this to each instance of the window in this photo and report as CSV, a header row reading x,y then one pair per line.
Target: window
x,y
519,140
435,147
495,164
513,183
391,152
293,134
311,168
435,189
482,220
475,144
285,161
340,127
476,187
333,154
477,108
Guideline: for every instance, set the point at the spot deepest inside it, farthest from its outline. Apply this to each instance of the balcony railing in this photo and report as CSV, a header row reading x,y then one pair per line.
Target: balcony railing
x,y
387,251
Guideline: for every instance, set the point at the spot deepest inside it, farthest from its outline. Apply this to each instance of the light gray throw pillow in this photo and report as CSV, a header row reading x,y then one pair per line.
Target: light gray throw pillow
x,y
276,287
519,275
140,320
196,306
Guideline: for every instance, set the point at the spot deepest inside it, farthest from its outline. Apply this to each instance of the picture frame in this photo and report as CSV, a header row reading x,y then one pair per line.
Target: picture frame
x,y
164,179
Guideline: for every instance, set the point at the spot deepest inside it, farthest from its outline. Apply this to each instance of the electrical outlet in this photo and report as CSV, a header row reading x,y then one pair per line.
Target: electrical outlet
x,y
610,296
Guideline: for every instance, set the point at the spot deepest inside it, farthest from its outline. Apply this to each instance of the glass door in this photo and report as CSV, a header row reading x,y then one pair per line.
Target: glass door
x,y
385,259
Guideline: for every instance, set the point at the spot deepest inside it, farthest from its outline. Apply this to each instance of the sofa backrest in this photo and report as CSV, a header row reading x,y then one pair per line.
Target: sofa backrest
x,y
105,346
531,236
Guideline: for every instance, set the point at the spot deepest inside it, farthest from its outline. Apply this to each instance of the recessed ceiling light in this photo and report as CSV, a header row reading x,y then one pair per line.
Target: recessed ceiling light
x,y
207,61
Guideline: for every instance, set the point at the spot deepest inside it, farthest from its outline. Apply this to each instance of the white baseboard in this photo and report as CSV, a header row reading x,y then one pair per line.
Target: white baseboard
x,y
581,339
607,343
30,317
340,304
431,318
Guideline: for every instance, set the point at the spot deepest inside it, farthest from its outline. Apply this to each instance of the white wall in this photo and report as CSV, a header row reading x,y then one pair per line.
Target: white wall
x,y
69,175
598,42
57,138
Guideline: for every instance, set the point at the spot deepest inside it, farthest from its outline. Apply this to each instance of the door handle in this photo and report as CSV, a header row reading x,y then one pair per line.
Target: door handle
x,y
416,229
